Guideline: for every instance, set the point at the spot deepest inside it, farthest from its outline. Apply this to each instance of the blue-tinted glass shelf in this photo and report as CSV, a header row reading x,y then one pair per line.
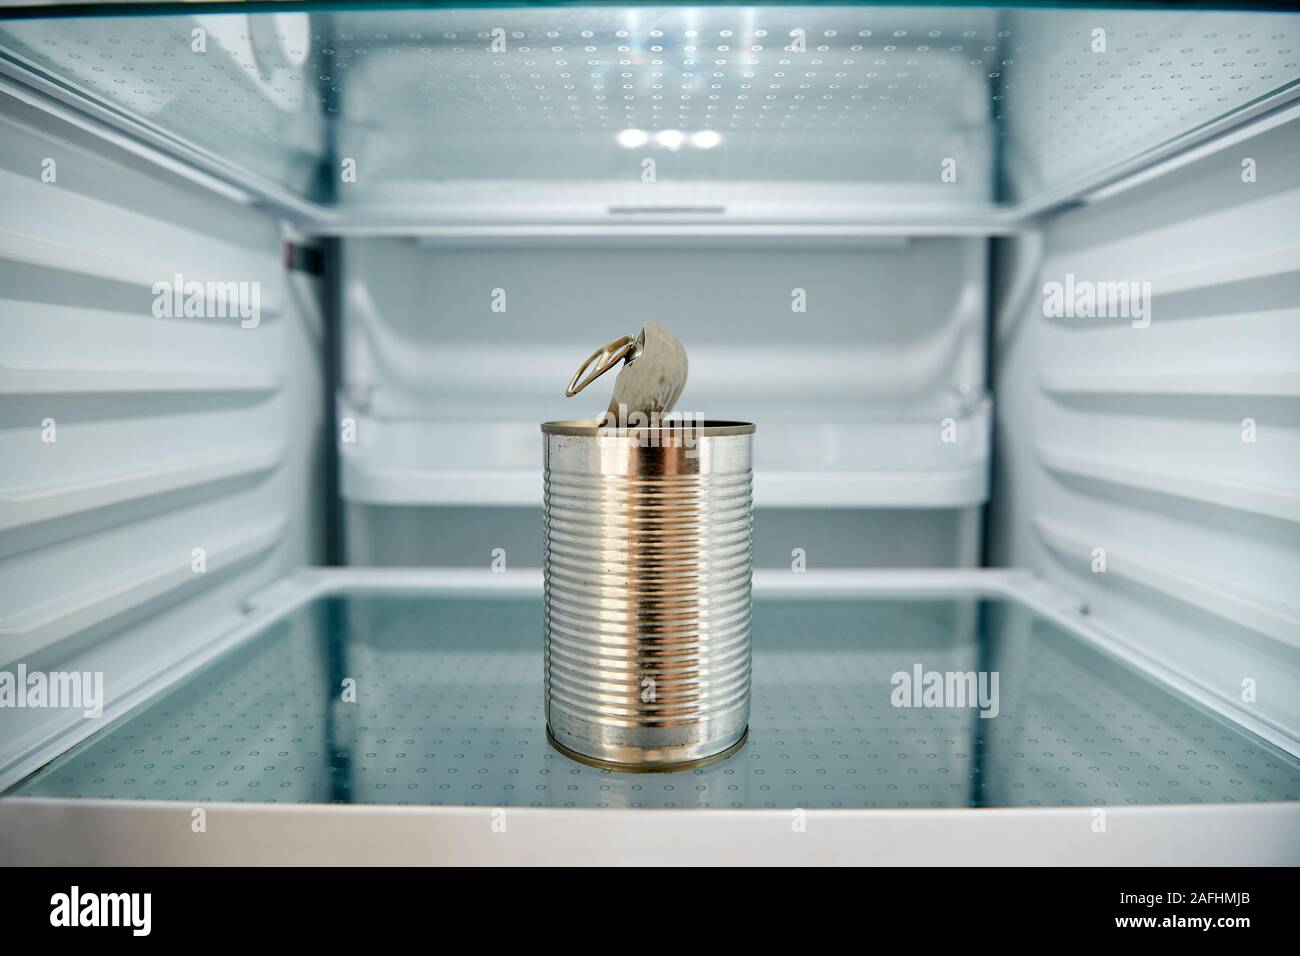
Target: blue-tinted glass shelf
x,y
935,115
449,713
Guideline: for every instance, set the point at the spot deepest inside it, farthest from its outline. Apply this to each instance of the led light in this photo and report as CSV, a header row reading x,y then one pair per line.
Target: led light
x,y
670,138
706,139
632,138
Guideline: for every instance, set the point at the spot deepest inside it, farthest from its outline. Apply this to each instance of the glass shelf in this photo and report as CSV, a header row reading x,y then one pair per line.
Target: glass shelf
x,y
816,113
449,713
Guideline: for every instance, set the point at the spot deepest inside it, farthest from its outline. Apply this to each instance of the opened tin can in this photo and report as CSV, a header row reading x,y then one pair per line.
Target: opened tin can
x,y
648,563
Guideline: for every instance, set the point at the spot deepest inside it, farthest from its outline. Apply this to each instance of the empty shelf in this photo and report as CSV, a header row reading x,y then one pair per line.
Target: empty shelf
x,y
929,457
449,712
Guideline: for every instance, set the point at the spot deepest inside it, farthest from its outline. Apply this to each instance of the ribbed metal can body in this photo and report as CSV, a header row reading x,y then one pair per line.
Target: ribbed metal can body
x,y
647,566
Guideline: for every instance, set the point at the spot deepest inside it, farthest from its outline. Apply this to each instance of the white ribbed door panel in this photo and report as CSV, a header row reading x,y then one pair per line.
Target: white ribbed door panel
x,y
154,471
1170,450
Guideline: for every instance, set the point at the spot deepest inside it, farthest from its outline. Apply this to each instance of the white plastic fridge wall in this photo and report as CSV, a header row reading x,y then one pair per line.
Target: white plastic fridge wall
x,y
862,361
402,536
154,471
1153,467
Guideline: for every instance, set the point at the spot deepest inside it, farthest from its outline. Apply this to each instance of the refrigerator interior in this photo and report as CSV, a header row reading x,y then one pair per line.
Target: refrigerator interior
x,y
851,215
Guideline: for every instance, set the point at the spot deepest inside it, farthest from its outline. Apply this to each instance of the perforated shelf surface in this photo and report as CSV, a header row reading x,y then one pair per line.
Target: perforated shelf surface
x,y
448,711
804,110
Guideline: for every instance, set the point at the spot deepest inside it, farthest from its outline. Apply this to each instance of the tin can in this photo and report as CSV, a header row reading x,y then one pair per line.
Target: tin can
x,y
647,565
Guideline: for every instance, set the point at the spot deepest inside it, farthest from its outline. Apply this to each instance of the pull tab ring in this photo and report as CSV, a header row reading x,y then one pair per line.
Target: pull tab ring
x,y
604,359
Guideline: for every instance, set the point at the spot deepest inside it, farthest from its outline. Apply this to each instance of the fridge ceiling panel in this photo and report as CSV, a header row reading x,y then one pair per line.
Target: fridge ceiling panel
x,y
817,112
